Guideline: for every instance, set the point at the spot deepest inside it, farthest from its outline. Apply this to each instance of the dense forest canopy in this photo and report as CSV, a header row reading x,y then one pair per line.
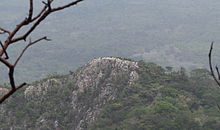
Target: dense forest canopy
x,y
160,99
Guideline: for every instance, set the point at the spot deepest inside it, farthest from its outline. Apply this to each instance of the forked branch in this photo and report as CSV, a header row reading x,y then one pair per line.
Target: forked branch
x,y
6,54
4,31
28,45
32,23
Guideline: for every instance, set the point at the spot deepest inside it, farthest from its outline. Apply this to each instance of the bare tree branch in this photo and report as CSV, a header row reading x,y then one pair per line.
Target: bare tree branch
x,y
24,36
217,70
6,54
29,44
30,10
5,62
210,65
4,31
48,4
39,18
12,91
32,22
66,6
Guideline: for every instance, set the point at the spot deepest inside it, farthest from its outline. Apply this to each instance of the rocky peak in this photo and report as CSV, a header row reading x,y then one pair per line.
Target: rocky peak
x,y
106,67
104,76
98,82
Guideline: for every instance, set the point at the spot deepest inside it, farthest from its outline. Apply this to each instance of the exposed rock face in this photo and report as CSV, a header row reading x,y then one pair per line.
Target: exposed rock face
x,y
41,88
97,83
103,76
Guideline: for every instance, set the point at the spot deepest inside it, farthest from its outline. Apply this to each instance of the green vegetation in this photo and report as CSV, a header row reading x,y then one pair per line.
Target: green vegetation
x,y
23,113
164,100
161,99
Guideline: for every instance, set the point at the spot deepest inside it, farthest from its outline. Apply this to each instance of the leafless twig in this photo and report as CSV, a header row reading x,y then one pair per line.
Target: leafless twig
x,y
28,45
4,31
32,22
211,68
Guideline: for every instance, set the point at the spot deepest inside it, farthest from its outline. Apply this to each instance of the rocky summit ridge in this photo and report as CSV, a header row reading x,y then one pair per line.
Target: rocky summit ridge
x,y
95,84
113,93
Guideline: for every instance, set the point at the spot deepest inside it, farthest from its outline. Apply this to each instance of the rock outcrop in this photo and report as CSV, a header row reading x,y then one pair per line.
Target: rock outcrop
x,y
104,77
98,82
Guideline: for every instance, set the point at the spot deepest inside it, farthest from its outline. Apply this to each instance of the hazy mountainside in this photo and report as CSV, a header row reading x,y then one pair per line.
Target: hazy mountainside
x,y
171,32
114,93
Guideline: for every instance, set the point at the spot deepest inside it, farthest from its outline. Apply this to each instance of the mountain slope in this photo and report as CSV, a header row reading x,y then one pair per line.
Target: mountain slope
x,y
115,93
80,96
168,32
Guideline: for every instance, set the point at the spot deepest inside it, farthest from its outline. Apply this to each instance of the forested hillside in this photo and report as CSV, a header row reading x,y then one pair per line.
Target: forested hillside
x,y
164,100
171,33
113,93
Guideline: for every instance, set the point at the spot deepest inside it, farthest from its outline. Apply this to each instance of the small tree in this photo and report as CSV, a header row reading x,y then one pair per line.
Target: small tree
x,y
32,22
